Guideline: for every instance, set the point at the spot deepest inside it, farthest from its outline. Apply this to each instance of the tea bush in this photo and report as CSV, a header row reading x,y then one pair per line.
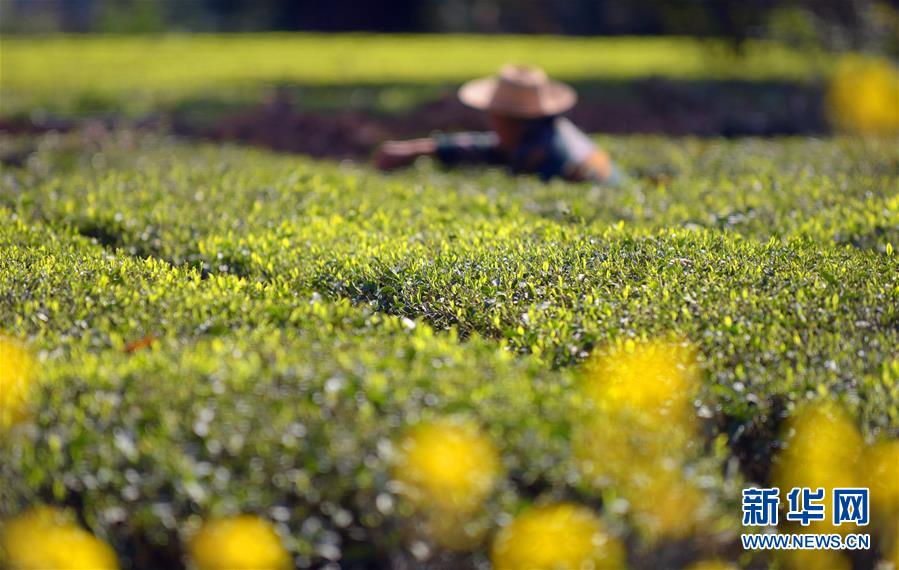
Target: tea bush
x,y
225,415
220,331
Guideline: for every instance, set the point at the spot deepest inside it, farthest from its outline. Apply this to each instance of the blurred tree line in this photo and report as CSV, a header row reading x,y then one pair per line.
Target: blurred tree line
x,y
827,24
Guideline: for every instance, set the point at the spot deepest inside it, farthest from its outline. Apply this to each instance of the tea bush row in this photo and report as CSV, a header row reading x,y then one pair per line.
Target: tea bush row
x,y
776,300
133,192
249,399
294,306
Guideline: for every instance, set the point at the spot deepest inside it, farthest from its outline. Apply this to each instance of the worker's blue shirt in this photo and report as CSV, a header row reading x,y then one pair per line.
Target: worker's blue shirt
x,y
551,147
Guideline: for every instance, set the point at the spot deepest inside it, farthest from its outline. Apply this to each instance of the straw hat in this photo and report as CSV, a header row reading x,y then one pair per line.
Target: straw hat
x,y
519,91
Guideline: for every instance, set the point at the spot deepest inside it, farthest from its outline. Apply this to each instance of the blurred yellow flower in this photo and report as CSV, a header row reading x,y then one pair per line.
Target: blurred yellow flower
x,y
881,475
863,96
616,449
642,433
712,565
815,560
243,542
666,505
44,538
654,378
448,466
17,370
823,448
642,412
556,537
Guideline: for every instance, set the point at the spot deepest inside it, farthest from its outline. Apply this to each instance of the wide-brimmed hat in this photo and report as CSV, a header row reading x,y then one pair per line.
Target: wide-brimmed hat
x,y
519,91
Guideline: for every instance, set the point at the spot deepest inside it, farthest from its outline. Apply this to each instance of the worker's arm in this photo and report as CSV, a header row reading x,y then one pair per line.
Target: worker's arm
x,y
396,154
450,149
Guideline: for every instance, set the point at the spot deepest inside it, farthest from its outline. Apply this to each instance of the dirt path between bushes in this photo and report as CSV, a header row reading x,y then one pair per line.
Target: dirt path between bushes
x,y
647,106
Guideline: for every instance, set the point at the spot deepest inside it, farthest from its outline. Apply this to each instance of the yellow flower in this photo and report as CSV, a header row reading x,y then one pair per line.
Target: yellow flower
x,y
556,537
666,505
447,466
641,434
881,475
863,96
815,560
823,449
642,416
45,538
16,376
654,379
615,449
712,565
243,542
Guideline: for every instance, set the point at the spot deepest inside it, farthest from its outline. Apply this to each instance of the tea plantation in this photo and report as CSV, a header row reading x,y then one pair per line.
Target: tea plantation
x,y
214,356
221,330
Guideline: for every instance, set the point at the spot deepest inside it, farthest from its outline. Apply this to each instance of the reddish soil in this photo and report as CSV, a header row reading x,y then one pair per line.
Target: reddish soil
x,y
350,134
649,106
645,106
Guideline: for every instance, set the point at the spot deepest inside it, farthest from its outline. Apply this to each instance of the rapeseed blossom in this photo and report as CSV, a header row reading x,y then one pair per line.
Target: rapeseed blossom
x,y
447,469
556,537
823,449
863,96
814,559
243,542
712,565
641,431
446,465
44,537
654,379
881,465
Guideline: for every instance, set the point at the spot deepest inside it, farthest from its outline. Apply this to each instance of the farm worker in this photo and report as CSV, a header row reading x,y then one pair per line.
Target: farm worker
x,y
529,134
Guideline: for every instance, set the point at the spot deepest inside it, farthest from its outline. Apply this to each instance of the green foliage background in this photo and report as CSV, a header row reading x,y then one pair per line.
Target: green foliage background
x,y
141,74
